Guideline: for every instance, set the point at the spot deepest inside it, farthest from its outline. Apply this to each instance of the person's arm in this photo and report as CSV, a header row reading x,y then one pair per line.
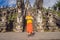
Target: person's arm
x,y
31,17
26,17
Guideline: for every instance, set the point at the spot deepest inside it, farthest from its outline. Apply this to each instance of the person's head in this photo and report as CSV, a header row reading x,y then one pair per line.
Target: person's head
x,y
28,13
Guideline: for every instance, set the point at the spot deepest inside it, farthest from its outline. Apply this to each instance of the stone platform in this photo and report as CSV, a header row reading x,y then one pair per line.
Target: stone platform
x,y
24,36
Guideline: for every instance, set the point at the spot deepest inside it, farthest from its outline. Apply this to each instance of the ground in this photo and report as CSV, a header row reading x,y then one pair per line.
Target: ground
x,y
23,36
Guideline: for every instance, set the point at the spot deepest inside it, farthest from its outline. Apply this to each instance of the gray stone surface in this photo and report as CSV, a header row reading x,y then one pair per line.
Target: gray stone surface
x,y
24,36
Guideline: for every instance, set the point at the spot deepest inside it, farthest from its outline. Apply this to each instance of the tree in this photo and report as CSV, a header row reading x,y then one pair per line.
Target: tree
x,y
57,5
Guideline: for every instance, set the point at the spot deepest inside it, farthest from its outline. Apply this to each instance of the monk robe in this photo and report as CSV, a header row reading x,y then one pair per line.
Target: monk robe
x,y
29,26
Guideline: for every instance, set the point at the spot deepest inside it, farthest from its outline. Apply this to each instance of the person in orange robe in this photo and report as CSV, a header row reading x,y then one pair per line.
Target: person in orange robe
x,y
29,25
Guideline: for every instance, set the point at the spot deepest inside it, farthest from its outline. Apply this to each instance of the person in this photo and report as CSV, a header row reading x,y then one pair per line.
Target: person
x,y
29,25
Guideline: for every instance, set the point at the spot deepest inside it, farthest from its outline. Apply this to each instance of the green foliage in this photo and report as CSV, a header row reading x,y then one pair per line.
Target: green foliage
x,y
12,17
43,17
58,4
58,14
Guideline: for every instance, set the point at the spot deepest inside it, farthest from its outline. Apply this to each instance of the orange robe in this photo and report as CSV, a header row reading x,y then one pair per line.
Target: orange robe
x,y
29,26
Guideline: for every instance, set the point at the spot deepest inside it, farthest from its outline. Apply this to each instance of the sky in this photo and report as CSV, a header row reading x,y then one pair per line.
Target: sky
x,y
49,3
46,3
12,3
9,3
